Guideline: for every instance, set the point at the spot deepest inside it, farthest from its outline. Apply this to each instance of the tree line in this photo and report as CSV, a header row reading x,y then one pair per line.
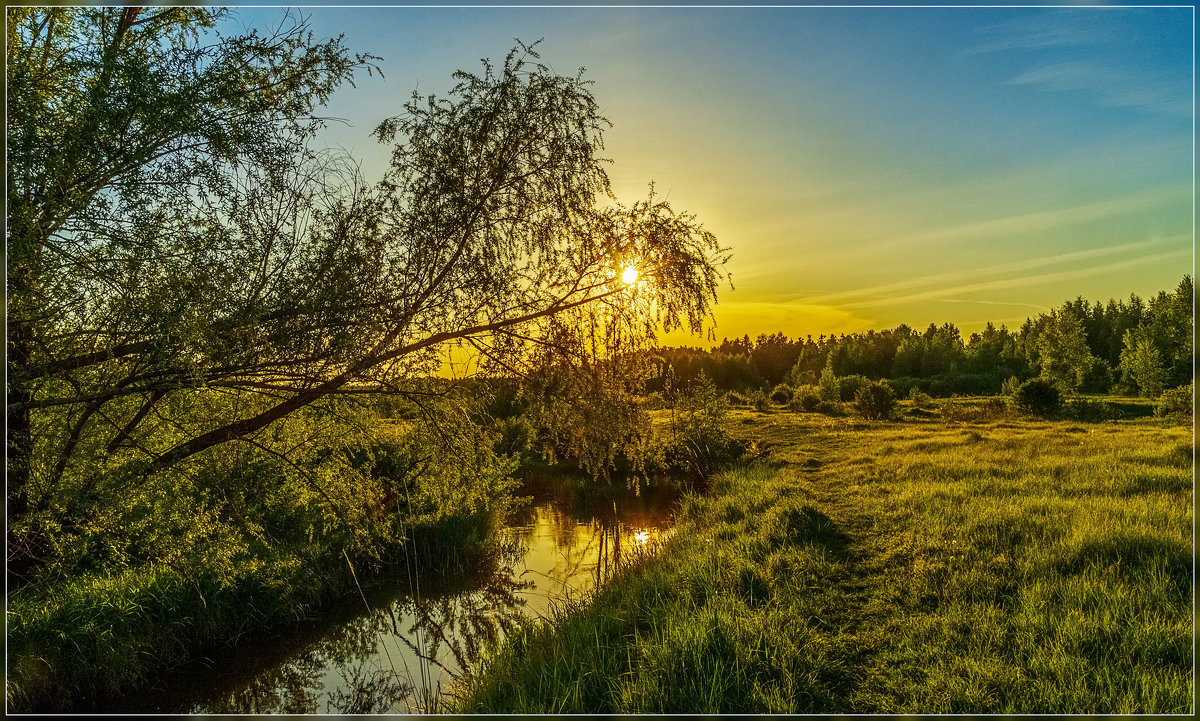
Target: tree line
x,y
1127,347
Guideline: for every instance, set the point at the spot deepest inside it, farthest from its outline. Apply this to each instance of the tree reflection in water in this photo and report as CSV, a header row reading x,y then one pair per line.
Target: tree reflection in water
x,y
405,654
398,658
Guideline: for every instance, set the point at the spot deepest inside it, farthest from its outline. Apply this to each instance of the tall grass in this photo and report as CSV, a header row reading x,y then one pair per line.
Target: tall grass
x,y
998,566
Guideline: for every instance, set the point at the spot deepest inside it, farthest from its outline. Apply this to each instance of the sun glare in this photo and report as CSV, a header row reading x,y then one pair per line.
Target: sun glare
x,y
630,275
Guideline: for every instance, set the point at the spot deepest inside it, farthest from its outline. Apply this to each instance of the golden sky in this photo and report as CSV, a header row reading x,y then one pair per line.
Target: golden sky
x,y
867,166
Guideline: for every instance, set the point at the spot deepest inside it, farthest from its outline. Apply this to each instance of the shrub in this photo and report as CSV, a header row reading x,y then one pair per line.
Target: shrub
x,y
783,394
516,435
653,401
760,400
805,400
1082,409
904,385
1177,401
737,399
1010,385
875,401
919,398
830,408
830,389
848,387
1036,397
700,445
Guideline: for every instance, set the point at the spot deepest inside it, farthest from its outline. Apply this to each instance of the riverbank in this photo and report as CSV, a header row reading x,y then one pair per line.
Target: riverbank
x,y
1000,566
83,644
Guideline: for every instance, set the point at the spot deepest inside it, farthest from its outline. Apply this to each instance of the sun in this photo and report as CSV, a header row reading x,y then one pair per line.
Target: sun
x,y
629,276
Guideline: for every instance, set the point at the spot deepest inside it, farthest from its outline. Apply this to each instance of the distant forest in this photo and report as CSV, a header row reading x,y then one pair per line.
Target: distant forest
x,y
1123,347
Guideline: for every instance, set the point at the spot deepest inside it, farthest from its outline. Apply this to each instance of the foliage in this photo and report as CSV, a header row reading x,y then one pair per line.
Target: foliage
x,y
1081,344
920,399
875,401
256,540
700,446
830,388
1092,411
805,400
760,400
848,387
589,414
1037,397
186,271
782,394
1177,401
1141,363
1064,355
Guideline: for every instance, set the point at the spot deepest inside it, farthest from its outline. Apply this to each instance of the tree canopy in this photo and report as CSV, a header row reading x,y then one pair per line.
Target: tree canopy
x,y
187,267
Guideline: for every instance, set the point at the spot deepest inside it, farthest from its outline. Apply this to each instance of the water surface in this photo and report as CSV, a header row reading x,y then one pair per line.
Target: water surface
x,y
395,649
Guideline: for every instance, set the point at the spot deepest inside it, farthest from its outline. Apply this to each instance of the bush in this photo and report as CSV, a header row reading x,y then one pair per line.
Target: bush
x,y
875,401
737,399
700,445
805,400
516,436
760,400
919,398
1010,385
848,387
830,389
1036,397
1177,401
1089,411
783,394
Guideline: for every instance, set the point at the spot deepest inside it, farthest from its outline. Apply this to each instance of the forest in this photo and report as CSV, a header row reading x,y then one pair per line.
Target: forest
x,y
1122,347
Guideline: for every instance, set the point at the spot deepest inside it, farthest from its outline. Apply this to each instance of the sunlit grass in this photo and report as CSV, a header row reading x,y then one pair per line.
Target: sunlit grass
x,y
1004,566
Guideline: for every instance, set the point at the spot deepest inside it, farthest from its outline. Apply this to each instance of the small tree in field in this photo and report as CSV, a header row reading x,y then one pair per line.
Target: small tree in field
x,y
1036,397
829,387
875,401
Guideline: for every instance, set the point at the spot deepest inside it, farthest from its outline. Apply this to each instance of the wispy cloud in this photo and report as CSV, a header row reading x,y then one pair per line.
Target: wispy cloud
x,y
936,283
1115,87
1082,50
1052,29
1020,282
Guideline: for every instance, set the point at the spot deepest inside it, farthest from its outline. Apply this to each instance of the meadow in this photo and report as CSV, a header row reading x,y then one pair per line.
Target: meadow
x,y
958,560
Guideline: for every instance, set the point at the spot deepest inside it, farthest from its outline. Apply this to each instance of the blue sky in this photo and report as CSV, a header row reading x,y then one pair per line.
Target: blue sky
x,y
868,166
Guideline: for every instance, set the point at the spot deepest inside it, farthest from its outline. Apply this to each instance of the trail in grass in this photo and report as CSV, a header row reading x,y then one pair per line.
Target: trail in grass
x,y
1000,567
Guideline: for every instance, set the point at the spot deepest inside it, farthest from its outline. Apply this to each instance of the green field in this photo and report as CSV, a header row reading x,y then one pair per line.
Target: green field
x,y
982,565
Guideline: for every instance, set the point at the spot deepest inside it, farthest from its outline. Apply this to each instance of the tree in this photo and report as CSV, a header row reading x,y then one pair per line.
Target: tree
x,y
1141,362
1063,350
120,123
206,273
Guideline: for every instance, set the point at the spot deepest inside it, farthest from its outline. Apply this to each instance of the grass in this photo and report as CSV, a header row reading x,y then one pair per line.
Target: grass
x,y
81,644
981,564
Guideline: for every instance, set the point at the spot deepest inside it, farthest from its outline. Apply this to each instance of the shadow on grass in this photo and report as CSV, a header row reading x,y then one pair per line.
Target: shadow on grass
x,y
807,525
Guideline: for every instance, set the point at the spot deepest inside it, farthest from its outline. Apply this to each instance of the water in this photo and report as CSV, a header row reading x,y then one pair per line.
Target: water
x,y
407,650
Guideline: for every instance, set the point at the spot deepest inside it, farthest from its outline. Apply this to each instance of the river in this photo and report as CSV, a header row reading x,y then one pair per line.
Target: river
x,y
395,650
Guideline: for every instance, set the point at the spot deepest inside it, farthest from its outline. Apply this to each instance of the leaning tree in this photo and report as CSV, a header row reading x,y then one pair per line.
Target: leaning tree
x,y
186,268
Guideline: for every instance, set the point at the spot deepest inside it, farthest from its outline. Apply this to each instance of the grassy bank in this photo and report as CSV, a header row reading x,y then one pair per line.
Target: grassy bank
x,y
77,645
249,548
926,566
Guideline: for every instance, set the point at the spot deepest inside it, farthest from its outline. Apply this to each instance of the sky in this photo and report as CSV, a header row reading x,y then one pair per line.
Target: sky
x,y
867,166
